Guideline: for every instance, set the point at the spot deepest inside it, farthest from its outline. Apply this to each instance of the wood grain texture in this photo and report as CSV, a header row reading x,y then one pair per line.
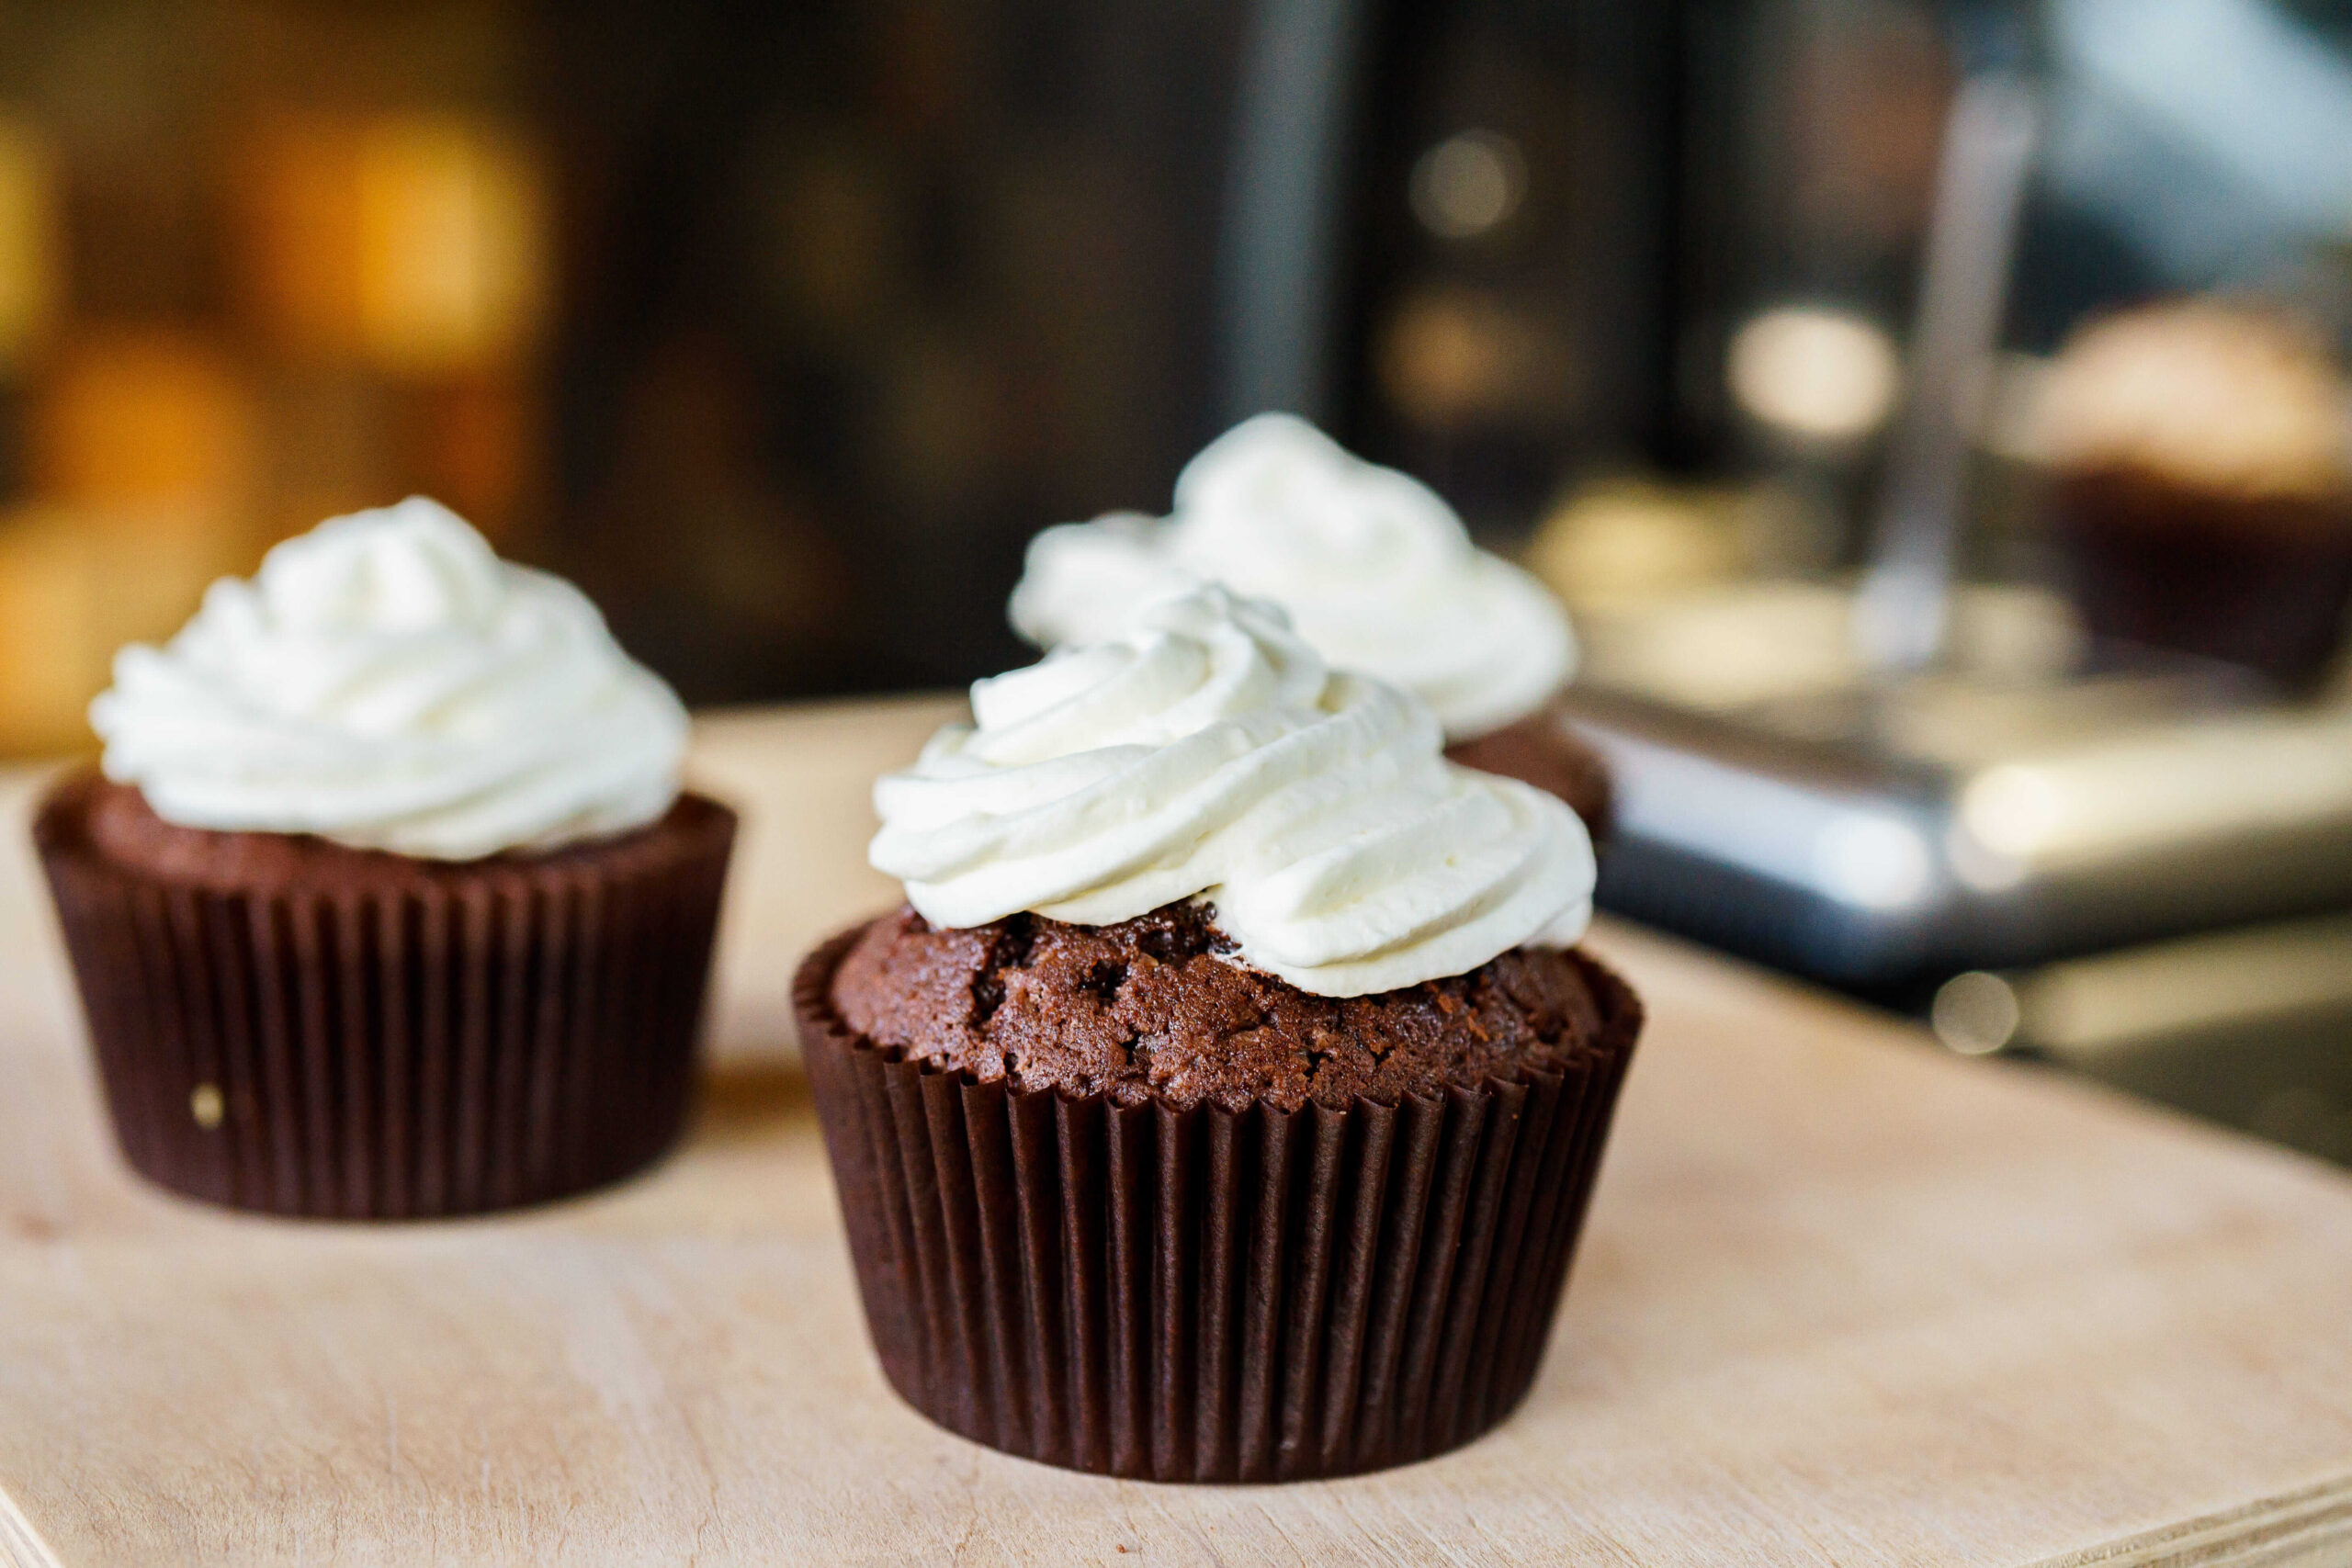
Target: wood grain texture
x,y
1843,1300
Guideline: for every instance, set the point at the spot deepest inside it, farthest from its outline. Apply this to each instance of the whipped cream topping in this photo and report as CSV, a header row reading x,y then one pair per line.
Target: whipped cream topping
x,y
1376,572
1206,750
386,681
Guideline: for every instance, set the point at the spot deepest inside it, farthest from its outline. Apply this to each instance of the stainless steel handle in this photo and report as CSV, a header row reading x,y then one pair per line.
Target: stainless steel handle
x,y
1904,610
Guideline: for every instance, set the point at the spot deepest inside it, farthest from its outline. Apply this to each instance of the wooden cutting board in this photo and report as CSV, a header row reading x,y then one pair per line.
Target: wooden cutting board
x,y
1843,1300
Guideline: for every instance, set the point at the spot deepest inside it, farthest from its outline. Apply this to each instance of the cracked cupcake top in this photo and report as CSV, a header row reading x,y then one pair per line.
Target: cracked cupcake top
x,y
1146,1010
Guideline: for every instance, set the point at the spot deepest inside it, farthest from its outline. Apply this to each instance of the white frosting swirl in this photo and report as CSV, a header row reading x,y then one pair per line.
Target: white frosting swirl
x,y
1208,752
1376,572
386,681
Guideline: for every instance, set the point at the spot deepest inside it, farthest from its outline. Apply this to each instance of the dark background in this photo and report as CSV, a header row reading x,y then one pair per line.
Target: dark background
x,y
781,328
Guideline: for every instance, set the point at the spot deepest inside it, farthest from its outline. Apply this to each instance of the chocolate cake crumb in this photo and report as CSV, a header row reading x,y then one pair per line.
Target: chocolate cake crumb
x,y
1151,1008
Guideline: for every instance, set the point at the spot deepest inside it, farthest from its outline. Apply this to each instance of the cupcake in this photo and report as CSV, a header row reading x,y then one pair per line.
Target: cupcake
x,y
1224,1103
385,902
2202,461
1377,573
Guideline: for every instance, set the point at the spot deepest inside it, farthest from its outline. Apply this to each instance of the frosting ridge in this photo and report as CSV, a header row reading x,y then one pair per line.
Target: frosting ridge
x,y
1376,570
385,681
1208,752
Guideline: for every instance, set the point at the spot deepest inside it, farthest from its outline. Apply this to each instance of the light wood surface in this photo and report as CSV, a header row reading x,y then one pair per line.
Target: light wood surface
x,y
1843,1300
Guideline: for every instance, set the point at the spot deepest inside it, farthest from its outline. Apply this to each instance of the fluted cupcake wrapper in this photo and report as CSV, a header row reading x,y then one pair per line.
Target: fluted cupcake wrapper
x,y
466,1038
1203,1295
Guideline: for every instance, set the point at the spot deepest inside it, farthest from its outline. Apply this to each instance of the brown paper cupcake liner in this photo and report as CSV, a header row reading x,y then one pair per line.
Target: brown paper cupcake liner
x,y
424,1040
1204,1294
2258,580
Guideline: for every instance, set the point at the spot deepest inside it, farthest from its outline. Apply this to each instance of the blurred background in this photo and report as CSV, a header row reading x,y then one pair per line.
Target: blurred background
x,y
1934,414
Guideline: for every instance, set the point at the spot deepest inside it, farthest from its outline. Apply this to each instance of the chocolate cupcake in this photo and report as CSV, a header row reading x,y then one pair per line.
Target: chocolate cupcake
x,y
1224,1104
387,904
1376,572
2201,466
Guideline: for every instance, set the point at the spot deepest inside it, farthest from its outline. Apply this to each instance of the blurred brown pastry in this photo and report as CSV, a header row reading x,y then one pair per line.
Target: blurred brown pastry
x,y
2203,484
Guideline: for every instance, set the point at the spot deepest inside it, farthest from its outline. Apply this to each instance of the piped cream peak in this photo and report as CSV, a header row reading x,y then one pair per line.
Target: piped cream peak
x,y
386,681
1206,750
1375,570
